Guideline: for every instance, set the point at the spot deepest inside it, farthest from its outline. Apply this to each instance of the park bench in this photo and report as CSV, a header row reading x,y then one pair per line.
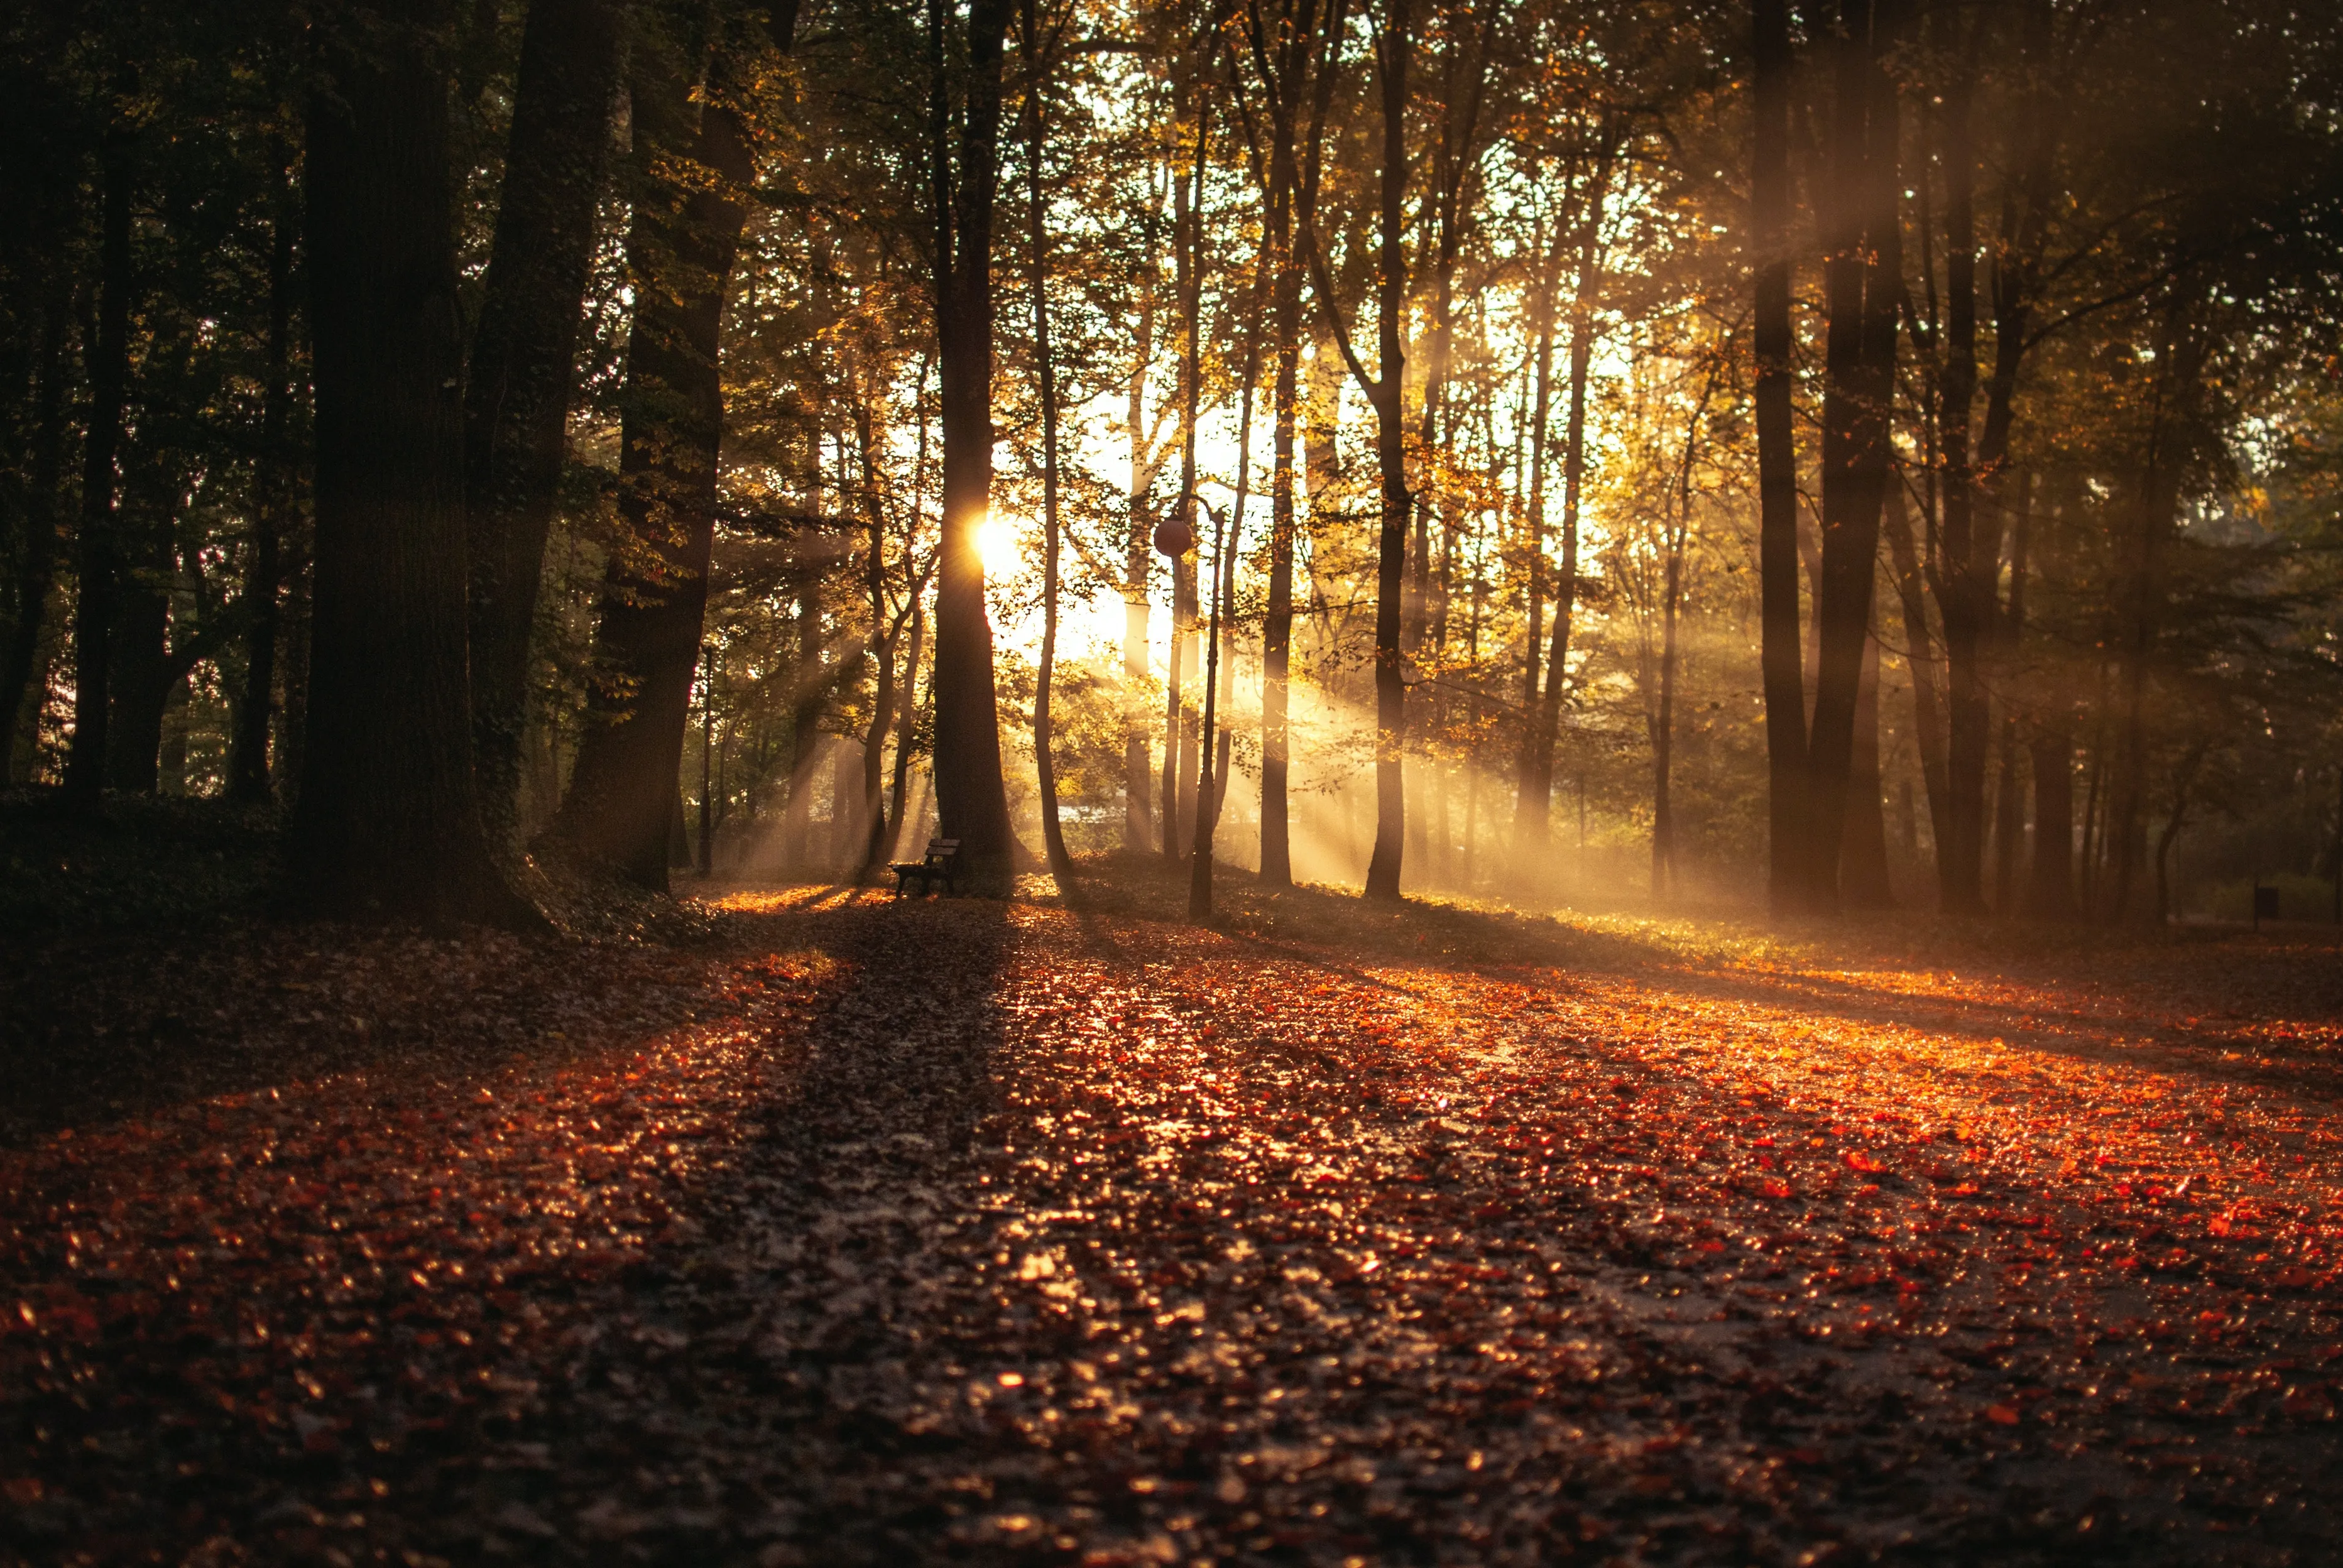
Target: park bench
x,y
935,864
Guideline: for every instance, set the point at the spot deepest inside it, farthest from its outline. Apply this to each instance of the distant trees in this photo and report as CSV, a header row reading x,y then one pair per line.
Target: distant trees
x,y
1885,445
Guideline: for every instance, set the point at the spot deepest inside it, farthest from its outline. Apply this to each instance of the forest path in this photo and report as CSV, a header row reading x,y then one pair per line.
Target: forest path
x,y
969,1231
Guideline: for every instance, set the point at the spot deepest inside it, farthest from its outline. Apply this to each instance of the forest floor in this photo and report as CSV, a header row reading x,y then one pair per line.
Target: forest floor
x,y
828,1228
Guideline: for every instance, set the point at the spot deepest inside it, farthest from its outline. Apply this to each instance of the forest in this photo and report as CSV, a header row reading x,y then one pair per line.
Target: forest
x,y
1629,714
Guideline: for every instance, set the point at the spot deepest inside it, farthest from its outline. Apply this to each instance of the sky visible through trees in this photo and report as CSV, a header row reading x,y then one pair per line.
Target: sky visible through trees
x,y
1715,525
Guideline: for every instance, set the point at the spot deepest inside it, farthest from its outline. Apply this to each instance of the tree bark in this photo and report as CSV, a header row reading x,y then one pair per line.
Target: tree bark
x,y
1781,656
256,714
107,357
687,219
386,824
2050,888
37,567
1864,274
1054,833
517,399
971,798
1919,661
1386,395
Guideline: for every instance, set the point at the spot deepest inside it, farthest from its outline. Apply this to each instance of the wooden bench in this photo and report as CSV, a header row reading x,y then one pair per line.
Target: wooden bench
x,y
937,864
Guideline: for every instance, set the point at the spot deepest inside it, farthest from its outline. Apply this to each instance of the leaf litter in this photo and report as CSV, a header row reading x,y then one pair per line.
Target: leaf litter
x,y
964,1231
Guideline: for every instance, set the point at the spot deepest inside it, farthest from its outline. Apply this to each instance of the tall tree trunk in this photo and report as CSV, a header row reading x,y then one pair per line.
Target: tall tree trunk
x,y
138,670
37,567
517,399
2050,888
1781,656
971,798
1919,660
906,716
1863,858
1387,394
1966,590
2009,805
1178,717
1293,185
255,716
386,823
1863,273
1138,784
884,639
1534,787
2179,361
96,566
1663,819
1054,833
694,160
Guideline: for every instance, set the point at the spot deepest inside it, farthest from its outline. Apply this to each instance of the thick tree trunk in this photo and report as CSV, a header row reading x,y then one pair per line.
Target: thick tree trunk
x,y
972,799
517,401
1394,48
1781,656
1863,273
107,358
386,824
686,232
255,716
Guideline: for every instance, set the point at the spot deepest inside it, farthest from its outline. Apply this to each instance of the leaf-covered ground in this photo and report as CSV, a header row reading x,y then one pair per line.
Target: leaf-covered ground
x,y
859,1232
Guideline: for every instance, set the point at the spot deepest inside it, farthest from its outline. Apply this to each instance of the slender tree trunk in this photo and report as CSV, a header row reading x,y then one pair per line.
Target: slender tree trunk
x,y
138,672
686,232
386,823
971,798
517,401
2179,360
906,716
1178,717
1387,394
254,716
1664,847
1137,786
1781,656
1534,786
2050,888
37,570
884,640
1053,835
2009,806
107,357
1293,197
1919,661
1864,866
1966,592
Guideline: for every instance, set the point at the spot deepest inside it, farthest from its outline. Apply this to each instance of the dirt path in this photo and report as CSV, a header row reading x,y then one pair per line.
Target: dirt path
x,y
962,1231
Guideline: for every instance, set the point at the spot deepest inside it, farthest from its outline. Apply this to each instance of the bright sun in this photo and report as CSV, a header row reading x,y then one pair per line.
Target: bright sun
x,y
997,545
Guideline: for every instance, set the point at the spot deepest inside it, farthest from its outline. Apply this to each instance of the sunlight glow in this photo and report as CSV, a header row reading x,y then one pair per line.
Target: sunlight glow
x,y
998,545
